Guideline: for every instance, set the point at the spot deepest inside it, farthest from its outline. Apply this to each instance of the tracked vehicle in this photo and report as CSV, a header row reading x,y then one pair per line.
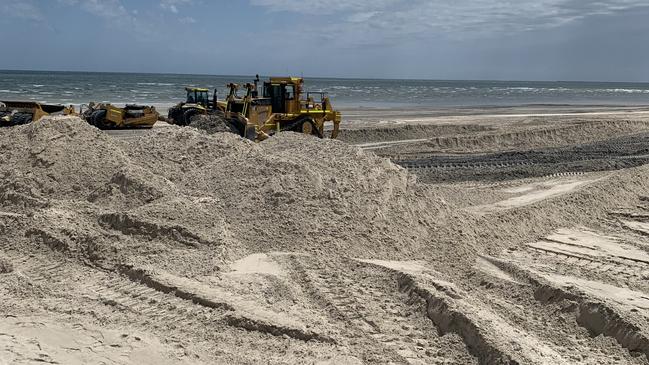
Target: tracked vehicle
x,y
108,116
283,106
23,112
198,101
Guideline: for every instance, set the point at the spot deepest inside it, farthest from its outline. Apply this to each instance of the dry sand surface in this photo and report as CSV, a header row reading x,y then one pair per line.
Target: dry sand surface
x,y
491,239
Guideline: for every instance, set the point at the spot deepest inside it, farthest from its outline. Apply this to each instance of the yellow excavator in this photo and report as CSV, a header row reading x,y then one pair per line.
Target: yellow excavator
x,y
22,112
283,106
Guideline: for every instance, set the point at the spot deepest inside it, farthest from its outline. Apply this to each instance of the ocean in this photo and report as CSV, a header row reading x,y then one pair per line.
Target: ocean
x,y
164,90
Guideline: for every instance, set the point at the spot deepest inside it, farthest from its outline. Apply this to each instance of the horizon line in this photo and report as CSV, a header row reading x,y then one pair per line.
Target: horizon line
x,y
321,77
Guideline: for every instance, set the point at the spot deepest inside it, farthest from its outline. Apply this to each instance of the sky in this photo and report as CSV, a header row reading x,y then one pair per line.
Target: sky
x,y
605,40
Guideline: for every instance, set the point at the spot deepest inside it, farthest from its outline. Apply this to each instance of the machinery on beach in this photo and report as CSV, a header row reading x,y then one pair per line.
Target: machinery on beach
x,y
198,102
108,116
22,112
283,106
280,104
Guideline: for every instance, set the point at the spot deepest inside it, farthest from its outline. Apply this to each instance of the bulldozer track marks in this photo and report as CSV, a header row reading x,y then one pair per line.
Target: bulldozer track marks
x,y
146,304
629,268
499,328
149,303
608,155
227,313
518,182
592,313
46,272
486,327
154,306
425,165
359,302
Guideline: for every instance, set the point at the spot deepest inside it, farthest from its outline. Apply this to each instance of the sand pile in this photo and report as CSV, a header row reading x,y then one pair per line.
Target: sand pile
x,y
407,131
212,123
295,192
189,202
183,200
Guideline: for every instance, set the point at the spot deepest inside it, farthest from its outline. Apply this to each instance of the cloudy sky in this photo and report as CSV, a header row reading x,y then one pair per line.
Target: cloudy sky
x,y
605,40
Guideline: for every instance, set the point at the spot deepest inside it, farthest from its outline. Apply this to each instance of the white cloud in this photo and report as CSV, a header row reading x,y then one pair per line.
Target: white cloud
x,y
328,7
172,5
107,9
25,9
187,20
369,21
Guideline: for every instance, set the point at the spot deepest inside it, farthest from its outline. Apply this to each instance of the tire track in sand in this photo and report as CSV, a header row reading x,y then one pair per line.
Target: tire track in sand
x,y
377,321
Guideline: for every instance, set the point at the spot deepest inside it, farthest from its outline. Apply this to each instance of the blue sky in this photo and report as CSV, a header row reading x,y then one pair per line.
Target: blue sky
x,y
603,40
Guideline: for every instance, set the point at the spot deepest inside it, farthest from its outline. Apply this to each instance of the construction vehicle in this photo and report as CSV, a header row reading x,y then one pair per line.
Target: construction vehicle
x,y
23,112
283,106
108,116
198,102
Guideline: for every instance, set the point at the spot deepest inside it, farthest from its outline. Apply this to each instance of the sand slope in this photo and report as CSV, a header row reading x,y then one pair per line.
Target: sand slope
x,y
175,246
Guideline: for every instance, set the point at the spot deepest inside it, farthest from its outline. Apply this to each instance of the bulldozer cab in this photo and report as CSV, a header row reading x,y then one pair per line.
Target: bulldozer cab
x,y
200,97
284,94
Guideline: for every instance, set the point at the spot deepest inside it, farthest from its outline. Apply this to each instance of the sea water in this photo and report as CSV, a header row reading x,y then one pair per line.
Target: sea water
x,y
164,90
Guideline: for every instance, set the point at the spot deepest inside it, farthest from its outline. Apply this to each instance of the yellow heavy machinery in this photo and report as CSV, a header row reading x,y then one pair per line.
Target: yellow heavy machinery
x,y
23,112
283,106
108,116
198,102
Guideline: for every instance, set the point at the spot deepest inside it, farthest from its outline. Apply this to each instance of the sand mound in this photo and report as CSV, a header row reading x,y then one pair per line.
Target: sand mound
x,y
189,202
294,192
54,159
407,131
212,123
184,200
481,139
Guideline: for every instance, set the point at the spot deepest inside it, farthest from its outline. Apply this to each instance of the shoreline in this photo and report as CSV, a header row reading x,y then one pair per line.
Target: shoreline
x,y
411,114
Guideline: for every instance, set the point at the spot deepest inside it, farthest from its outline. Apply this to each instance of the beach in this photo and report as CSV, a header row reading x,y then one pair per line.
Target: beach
x,y
275,182
472,235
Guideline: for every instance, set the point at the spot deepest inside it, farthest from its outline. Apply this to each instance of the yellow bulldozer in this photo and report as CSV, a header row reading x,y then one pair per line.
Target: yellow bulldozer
x,y
283,106
22,112
108,116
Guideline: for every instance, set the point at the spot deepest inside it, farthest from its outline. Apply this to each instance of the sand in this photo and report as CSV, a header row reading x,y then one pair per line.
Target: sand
x,y
181,246
212,123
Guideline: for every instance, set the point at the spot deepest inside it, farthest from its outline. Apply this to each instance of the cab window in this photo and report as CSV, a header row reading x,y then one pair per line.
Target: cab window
x,y
201,97
290,92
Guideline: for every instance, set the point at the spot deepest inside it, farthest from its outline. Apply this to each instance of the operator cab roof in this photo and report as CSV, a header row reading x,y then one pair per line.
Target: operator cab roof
x,y
286,80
